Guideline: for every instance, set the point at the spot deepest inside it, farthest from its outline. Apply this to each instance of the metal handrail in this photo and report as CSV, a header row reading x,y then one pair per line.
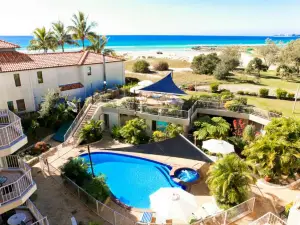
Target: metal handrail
x,y
76,121
41,220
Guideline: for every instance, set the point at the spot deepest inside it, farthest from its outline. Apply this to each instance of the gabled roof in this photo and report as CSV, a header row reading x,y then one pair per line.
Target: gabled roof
x,y
7,45
165,85
17,61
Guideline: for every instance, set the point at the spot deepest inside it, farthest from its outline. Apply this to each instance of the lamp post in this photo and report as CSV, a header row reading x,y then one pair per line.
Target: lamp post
x,y
90,158
104,86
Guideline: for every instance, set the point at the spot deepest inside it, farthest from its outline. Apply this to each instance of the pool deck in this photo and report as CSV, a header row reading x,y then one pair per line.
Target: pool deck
x,y
199,190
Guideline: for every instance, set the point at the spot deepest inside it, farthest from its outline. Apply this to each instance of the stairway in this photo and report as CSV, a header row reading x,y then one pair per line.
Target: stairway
x,y
75,140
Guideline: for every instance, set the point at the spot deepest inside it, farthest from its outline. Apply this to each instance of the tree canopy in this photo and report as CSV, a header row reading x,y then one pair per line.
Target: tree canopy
x,y
255,66
230,57
205,64
42,40
134,131
61,35
270,52
290,54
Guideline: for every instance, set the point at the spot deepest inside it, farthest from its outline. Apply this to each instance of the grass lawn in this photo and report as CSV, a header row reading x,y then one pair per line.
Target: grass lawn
x,y
173,63
180,78
281,105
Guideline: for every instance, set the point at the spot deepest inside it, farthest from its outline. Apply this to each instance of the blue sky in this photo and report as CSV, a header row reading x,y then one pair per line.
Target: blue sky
x,y
203,17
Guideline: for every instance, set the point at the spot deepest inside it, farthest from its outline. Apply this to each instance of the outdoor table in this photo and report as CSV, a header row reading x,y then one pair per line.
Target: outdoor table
x,y
16,219
3,179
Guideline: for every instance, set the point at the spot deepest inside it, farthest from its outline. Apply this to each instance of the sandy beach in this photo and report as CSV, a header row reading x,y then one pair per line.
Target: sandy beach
x,y
184,54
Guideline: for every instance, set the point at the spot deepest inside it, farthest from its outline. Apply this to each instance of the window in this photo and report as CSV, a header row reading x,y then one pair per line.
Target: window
x,y
89,71
40,77
10,105
21,105
17,80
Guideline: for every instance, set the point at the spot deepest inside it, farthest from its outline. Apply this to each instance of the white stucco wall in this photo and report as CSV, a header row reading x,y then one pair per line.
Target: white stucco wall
x,y
32,92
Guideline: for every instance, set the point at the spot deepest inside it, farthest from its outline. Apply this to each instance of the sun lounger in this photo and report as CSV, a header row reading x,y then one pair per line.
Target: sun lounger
x,y
146,217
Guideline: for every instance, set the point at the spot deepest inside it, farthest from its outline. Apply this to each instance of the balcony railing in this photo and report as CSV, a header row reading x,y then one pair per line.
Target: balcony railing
x,y
268,219
10,128
17,188
41,220
159,111
241,109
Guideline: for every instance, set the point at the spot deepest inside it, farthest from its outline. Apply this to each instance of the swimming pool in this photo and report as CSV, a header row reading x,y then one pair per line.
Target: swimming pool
x,y
131,179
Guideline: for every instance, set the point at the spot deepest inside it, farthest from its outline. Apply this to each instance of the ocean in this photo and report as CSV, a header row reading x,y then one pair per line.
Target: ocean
x,y
163,42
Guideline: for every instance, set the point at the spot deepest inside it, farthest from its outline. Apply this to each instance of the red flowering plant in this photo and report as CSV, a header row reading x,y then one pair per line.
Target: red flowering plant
x,y
238,127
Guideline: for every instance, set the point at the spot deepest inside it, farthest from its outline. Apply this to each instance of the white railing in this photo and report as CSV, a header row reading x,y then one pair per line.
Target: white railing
x,y
241,109
11,128
16,189
270,219
76,121
41,220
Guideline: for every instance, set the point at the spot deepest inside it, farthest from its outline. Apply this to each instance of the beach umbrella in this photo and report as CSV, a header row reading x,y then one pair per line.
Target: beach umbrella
x,y
218,146
173,203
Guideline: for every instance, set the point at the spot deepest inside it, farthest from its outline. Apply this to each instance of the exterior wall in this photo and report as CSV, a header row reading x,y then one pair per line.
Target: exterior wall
x,y
32,92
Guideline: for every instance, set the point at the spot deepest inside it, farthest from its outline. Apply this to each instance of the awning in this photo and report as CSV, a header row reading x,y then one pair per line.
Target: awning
x,y
175,147
67,87
165,85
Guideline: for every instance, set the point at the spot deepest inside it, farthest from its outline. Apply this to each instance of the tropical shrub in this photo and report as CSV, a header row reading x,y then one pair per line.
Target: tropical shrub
x,y
278,151
238,127
233,105
141,66
77,170
34,127
91,131
214,87
134,131
208,128
173,130
238,143
161,66
229,181
249,133
287,209
41,146
290,95
226,95
280,93
241,100
221,72
205,64
263,92
158,136
97,188
115,132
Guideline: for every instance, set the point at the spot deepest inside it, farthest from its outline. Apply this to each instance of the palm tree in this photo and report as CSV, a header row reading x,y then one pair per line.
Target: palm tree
x,y
109,51
97,43
173,130
91,131
229,181
62,36
43,40
81,28
215,127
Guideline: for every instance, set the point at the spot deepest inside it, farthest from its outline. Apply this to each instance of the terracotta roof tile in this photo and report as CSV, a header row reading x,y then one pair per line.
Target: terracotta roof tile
x,y
17,61
5,44
67,87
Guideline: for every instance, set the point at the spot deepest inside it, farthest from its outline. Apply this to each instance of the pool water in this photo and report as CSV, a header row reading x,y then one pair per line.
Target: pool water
x,y
131,179
186,174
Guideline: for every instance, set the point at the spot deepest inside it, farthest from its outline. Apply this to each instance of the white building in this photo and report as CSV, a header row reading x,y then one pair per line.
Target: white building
x,y
25,78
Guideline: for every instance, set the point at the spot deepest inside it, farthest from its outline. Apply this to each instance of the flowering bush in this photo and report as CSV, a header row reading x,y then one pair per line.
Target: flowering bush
x,y
41,147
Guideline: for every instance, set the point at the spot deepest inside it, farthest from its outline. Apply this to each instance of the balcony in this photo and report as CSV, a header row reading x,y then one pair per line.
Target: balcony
x,y
11,133
31,213
17,183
